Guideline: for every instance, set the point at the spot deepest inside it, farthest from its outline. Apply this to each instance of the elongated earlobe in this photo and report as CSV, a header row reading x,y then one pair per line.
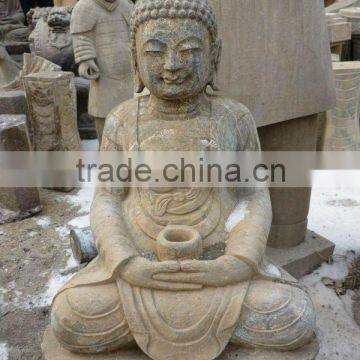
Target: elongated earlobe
x,y
138,84
216,56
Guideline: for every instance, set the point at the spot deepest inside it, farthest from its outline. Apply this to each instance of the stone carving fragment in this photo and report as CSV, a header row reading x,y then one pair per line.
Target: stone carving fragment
x,y
51,99
51,38
31,64
16,203
150,282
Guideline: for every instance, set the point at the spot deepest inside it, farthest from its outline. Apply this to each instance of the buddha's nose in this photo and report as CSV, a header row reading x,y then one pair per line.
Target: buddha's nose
x,y
172,62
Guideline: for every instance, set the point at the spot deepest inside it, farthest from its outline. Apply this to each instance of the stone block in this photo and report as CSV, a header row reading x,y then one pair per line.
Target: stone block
x,y
353,16
16,203
267,72
339,28
13,102
302,259
52,351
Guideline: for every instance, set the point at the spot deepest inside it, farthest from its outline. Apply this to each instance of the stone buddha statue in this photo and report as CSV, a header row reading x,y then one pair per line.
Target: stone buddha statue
x,y
173,273
12,28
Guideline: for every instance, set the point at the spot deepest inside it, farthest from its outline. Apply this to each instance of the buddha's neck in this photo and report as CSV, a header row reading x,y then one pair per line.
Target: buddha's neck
x,y
184,108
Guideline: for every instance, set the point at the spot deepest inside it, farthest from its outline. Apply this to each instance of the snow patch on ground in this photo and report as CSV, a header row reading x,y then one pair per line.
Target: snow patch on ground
x,y
3,303
83,198
4,351
44,221
63,231
335,214
55,283
236,216
80,222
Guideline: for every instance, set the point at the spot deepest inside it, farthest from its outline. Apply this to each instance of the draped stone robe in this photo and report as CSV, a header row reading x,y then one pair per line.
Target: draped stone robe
x,y
125,224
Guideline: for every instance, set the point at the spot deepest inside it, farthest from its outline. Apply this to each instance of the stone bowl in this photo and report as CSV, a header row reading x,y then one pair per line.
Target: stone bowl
x,y
178,242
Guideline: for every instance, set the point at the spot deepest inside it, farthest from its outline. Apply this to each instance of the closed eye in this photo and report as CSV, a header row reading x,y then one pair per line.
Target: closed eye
x,y
189,50
154,53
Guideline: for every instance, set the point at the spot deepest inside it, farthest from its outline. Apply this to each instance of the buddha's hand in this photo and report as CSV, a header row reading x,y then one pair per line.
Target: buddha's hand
x,y
89,70
225,270
141,272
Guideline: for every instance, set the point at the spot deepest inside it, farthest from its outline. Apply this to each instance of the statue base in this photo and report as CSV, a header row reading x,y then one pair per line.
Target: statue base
x,y
53,351
304,258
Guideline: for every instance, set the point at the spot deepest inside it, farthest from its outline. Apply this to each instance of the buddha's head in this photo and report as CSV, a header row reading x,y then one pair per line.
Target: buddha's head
x,y
175,47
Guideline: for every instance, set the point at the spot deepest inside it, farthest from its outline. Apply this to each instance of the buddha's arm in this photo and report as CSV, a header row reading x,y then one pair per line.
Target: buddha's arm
x,y
248,238
107,222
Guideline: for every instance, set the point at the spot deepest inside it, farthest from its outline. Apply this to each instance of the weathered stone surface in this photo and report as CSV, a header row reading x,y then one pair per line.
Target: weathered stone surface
x,y
16,203
342,131
13,102
103,60
12,28
339,28
31,64
53,351
302,259
83,245
267,72
214,285
8,68
290,221
51,38
353,16
51,99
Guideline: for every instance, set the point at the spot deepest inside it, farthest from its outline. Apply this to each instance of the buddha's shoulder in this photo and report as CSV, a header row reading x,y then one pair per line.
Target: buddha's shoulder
x,y
123,114
230,107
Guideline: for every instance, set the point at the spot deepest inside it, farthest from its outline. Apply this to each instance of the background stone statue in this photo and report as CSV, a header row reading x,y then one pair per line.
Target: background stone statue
x,y
189,301
12,28
51,38
100,30
9,69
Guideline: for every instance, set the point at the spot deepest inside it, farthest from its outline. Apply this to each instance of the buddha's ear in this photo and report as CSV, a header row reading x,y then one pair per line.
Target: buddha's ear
x,y
138,84
216,56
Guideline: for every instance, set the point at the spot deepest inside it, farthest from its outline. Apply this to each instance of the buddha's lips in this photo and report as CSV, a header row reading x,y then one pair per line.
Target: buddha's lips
x,y
172,81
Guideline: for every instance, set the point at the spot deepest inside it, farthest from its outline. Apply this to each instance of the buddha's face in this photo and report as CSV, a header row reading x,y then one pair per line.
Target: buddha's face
x,y
173,57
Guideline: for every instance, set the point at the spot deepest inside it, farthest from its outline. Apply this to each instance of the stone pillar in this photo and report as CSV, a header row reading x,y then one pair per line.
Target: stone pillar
x,y
290,205
342,129
51,98
16,203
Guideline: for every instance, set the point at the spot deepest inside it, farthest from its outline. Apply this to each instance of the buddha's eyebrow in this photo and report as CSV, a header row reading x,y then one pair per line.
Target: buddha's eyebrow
x,y
191,39
155,42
